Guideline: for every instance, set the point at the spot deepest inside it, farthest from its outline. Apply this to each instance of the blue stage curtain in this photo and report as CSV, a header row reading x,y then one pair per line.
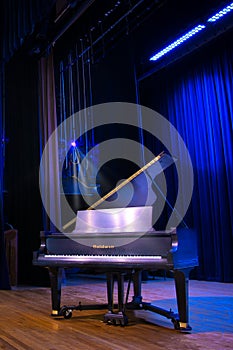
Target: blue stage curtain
x,y
198,100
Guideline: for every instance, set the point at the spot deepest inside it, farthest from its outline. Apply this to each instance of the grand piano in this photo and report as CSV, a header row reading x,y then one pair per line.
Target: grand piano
x,y
120,241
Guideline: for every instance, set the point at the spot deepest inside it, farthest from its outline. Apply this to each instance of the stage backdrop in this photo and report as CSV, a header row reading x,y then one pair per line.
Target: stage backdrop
x,y
196,96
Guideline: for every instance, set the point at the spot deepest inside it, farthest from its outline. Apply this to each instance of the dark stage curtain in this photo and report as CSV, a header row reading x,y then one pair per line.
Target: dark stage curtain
x,y
198,100
20,17
4,276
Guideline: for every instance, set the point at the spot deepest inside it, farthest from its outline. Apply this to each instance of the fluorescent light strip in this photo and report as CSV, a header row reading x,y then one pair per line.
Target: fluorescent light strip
x,y
221,13
178,42
191,33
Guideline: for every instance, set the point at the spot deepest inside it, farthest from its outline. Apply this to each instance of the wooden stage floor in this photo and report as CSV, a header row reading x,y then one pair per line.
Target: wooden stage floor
x,y
26,323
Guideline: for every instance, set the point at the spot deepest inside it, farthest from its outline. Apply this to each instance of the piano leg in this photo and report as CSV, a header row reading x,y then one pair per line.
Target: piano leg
x,y
55,274
180,320
182,295
110,286
120,282
136,302
137,287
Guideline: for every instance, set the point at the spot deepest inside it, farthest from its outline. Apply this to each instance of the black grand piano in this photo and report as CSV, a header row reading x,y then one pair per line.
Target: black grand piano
x,y
120,241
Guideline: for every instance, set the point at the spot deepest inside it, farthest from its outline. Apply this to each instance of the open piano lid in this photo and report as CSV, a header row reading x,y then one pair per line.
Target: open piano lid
x,y
123,219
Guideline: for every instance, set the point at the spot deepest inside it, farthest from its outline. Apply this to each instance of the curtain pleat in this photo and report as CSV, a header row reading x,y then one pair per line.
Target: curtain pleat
x,y
49,173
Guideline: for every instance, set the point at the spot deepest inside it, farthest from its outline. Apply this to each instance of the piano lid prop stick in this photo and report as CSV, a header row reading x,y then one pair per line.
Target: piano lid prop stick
x,y
122,184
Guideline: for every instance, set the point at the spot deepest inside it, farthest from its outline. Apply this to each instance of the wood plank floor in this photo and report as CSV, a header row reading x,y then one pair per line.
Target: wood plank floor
x,y
26,323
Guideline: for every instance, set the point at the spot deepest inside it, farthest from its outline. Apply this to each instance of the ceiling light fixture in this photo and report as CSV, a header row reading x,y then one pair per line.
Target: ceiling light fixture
x,y
177,42
192,32
221,13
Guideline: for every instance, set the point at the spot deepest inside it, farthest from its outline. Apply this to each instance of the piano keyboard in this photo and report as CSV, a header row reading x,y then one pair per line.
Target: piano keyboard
x,y
132,259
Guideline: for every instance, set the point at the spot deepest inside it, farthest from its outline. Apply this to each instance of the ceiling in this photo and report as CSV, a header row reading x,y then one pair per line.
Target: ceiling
x,y
92,22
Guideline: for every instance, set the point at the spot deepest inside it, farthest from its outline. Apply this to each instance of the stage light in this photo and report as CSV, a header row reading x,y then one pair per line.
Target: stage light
x,y
221,13
178,42
73,144
192,32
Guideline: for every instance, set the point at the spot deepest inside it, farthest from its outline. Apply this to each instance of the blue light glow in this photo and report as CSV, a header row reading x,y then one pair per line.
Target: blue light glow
x,y
178,42
191,33
221,13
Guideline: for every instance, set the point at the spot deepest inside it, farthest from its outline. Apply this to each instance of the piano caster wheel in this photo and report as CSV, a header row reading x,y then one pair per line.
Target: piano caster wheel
x,y
65,312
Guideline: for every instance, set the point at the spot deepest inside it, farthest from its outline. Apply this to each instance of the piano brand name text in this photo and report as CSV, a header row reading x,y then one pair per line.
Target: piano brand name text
x,y
98,246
